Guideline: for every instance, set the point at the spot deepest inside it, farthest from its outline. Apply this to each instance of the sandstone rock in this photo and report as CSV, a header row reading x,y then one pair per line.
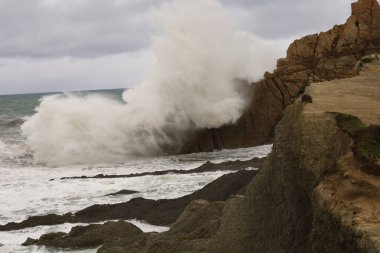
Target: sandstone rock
x,y
326,56
312,194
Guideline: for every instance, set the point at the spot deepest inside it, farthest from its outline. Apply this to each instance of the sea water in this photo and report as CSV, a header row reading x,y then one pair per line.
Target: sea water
x,y
27,189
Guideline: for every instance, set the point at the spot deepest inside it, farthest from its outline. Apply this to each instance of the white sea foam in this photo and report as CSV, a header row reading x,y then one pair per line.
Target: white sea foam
x,y
199,57
28,190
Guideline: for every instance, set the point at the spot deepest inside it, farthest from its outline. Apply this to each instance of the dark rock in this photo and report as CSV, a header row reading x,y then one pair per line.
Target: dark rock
x,y
122,192
200,220
29,241
156,212
166,211
91,235
41,220
306,99
207,167
52,236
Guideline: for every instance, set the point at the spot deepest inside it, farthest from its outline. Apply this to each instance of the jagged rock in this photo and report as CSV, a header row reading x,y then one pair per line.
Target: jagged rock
x,y
200,220
312,194
157,212
320,57
206,167
122,192
90,236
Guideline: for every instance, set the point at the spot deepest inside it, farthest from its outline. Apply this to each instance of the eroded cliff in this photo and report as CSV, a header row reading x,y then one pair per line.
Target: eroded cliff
x,y
315,192
320,57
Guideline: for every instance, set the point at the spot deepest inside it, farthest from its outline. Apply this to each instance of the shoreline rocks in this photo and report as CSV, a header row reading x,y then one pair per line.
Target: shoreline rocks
x,y
206,167
90,236
155,212
122,192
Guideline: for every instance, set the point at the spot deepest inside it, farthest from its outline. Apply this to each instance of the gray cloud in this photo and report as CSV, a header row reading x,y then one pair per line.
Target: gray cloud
x,y
107,36
288,18
84,28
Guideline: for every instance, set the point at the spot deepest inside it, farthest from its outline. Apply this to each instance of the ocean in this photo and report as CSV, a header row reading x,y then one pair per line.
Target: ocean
x,y
28,188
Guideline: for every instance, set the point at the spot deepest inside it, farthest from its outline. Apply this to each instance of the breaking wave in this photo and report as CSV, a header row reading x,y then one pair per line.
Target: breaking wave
x,y
199,56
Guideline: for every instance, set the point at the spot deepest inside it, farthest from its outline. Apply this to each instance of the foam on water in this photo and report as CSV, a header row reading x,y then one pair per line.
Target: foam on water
x,y
202,64
27,190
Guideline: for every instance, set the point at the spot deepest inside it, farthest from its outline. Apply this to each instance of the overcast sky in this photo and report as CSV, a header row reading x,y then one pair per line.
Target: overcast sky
x,y
62,45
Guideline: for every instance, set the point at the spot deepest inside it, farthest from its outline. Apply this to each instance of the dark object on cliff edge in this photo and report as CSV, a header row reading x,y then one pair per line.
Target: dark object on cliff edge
x,y
307,99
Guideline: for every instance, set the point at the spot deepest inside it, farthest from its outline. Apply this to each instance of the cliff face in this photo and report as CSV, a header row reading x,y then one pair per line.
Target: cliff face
x,y
315,192
320,57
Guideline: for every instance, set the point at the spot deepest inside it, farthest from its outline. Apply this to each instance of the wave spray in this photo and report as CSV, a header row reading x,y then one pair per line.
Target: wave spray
x,y
198,55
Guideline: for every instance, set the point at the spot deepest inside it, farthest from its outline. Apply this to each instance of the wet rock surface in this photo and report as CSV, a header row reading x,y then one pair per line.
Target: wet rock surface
x,y
207,167
90,236
312,195
156,212
122,192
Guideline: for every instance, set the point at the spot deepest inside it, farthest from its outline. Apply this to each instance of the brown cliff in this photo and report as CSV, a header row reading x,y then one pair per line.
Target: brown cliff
x,y
314,193
320,57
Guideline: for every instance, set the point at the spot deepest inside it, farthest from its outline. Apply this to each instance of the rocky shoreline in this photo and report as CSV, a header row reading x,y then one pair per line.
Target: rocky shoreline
x,y
207,167
314,193
318,191
156,212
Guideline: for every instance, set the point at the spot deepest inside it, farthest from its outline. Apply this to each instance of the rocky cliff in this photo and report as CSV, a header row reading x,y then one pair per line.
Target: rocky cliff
x,y
319,190
320,57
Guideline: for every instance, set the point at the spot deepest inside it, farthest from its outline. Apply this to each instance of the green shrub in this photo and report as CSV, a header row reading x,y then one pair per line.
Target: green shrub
x,y
368,142
348,123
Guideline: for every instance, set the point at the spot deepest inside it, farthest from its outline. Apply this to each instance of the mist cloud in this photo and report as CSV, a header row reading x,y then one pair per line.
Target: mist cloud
x,y
192,86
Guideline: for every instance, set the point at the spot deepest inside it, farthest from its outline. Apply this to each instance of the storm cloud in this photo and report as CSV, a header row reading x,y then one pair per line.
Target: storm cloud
x,y
55,45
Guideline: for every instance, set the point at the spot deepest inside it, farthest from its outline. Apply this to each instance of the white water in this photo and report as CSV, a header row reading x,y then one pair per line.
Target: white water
x,y
200,56
26,189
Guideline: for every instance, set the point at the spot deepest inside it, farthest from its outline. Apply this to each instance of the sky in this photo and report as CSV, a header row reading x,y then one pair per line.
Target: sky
x,y
65,45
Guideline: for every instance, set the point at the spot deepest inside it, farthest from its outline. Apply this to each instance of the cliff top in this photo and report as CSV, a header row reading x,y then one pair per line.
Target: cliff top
x,y
359,96
352,192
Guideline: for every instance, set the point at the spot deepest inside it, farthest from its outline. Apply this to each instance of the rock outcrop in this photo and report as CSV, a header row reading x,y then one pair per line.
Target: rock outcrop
x,y
314,193
320,57
90,236
319,190
157,212
206,167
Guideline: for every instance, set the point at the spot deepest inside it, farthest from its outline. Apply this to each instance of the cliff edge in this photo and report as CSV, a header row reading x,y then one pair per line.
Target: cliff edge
x,y
315,58
319,190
